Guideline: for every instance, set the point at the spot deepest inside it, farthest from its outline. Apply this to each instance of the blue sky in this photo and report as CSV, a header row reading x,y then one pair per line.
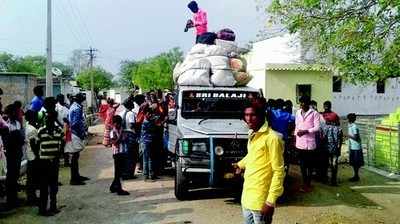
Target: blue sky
x,y
120,29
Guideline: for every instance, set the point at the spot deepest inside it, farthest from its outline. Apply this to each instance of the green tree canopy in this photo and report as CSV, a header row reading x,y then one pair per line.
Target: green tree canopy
x,y
361,39
151,73
30,64
102,79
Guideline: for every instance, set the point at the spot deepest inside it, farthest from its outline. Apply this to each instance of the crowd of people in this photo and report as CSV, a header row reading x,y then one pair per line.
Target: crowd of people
x,y
137,133
48,131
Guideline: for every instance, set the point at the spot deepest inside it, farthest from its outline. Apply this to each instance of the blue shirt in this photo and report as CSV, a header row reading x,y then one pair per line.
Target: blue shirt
x,y
353,144
37,103
280,121
77,121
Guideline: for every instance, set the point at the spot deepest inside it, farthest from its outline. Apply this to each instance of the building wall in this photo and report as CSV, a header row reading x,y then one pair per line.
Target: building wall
x,y
17,87
364,100
258,81
282,84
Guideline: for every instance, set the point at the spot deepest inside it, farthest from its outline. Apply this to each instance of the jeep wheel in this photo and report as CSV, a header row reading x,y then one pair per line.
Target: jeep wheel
x,y
180,183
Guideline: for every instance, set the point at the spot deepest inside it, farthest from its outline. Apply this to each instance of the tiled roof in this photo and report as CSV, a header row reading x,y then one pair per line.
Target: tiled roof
x,y
296,67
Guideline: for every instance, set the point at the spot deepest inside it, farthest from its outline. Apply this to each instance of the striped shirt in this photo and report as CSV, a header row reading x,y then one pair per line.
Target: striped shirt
x,y
50,143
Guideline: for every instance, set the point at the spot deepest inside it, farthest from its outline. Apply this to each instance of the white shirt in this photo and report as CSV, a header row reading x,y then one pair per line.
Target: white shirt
x,y
30,133
62,112
129,119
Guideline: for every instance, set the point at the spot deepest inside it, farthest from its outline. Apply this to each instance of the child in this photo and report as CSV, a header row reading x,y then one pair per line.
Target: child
x,y
148,138
118,155
50,140
31,137
356,153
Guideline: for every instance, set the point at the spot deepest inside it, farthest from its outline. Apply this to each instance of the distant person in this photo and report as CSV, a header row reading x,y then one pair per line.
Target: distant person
x,y
307,124
199,21
314,105
356,153
119,155
78,130
49,140
103,109
112,108
332,139
32,174
37,101
62,116
288,106
13,141
329,115
263,168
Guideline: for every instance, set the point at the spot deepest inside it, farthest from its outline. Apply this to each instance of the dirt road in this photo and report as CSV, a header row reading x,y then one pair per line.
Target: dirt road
x,y
374,200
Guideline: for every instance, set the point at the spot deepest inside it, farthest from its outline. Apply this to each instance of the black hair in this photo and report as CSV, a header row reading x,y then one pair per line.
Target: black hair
x,y
117,119
305,99
10,111
49,104
18,104
79,98
38,91
352,117
31,116
279,103
193,6
313,102
60,98
328,104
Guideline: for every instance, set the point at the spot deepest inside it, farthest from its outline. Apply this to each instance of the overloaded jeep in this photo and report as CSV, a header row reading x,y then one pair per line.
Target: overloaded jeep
x,y
207,134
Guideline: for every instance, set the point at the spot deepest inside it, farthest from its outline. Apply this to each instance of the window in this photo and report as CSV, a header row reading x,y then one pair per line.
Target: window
x,y
303,90
380,86
337,84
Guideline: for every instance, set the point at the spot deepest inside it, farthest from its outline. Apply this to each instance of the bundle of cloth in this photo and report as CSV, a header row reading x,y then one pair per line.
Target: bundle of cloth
x,y
218,64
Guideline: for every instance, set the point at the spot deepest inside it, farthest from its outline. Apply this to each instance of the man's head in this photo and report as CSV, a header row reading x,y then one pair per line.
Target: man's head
x,y
18,104
254,115
31,116
61,99
305,103
327,106
79,98
140,99
279,104
51,118
117,121
352,117
193,6
271,104
38,91
314,104
128,103
49,104
11,112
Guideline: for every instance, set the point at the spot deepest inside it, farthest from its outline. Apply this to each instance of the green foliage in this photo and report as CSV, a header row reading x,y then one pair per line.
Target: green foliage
x,y
30,64
151,73
360,39
102,79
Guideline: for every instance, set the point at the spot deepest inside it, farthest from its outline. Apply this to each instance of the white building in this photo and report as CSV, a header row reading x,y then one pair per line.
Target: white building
x,y
371,99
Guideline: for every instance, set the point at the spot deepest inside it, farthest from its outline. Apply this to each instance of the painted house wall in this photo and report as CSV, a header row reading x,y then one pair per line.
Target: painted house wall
x,y
365,100
282,84
17,87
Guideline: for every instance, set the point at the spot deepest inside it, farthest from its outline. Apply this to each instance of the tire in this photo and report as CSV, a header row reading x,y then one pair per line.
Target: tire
x,y
181,189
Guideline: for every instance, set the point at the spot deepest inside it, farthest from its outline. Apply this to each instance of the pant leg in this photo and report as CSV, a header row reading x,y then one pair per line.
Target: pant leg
x,y
12,178
75,167
303,165
148,157
334,164
53,182
44,184
30,181
248,216
118,169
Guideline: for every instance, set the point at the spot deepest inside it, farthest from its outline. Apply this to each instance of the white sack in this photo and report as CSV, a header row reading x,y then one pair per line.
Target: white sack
x,y
222,78
219,62
195,77
229,46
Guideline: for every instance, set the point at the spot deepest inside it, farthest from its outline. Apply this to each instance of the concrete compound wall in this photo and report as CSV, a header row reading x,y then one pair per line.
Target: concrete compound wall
x,y
17,87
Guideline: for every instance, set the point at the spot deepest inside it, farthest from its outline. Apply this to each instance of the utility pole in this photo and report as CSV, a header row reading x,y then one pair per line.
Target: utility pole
x,y
91,52
49,72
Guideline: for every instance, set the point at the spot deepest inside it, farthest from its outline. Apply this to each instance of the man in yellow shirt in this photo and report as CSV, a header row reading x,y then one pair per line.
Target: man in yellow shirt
x,y
263,168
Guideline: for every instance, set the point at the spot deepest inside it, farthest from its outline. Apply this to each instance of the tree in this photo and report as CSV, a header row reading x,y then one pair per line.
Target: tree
x,y
102,79
30,64
360,39
151,73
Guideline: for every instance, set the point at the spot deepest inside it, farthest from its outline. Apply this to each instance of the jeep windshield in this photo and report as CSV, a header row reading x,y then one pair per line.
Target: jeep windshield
x,y
212,104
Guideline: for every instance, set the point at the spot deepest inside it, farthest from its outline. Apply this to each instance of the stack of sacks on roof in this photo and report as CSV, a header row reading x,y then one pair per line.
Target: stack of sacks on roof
x,y
213,65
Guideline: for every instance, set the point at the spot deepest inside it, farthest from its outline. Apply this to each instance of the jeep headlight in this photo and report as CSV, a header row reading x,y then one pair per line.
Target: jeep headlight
x,y
199,147
185,147
219,150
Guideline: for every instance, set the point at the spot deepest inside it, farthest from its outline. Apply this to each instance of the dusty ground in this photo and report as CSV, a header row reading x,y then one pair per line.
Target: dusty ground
x,y
373,200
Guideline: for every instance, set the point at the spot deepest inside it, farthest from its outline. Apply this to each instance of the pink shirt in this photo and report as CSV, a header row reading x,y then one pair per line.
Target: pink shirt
x,y
309,121
200,22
